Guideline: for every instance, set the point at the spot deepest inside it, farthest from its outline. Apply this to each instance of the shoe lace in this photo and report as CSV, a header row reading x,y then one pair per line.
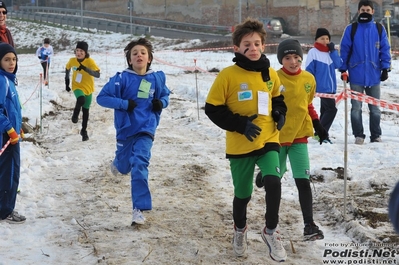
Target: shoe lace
x,y
276,241
239,240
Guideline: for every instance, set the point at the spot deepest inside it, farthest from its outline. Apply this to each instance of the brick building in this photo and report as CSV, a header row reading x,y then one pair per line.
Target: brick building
x,y
302,16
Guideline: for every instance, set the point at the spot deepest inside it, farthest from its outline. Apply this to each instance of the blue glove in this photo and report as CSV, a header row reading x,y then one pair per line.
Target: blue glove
x,y
251,130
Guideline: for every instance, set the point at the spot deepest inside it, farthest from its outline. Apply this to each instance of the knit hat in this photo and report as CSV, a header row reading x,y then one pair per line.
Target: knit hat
x,y
4,49
322,32
3,5
393,208
82,45
288,46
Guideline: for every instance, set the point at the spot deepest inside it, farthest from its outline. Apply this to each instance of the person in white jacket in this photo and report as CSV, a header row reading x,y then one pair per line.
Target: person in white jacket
x,y
44,53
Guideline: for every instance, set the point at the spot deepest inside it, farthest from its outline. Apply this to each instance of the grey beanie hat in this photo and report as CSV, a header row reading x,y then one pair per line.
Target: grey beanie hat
x,y
288,46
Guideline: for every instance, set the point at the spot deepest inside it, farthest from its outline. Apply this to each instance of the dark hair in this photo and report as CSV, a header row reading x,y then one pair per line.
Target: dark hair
x,y
365,3
46,40
247,27
144,42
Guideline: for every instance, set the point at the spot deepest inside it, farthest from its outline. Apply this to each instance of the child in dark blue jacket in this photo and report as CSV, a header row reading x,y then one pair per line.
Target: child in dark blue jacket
x,y
137,95
10,126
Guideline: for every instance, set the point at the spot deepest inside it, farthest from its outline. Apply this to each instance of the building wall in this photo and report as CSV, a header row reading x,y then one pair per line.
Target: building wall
x,y
303,16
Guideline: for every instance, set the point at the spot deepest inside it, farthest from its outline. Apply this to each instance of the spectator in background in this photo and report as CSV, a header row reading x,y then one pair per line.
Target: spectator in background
x,y
5,34
367,58
44,53
322,60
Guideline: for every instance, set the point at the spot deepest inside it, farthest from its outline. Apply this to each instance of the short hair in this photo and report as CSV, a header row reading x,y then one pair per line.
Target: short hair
x,y
365,3
247,27
142,41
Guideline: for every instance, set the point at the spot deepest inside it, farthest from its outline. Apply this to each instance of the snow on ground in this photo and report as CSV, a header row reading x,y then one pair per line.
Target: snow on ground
x,y
77,212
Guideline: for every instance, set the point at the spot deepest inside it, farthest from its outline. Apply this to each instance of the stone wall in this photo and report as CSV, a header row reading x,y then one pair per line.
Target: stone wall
x,y
303,16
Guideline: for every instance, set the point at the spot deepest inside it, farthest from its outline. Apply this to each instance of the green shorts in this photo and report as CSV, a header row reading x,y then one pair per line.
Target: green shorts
x,y
88,98
299,160
242,171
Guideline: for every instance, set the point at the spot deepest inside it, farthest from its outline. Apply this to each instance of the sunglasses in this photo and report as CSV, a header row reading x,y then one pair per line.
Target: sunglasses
x,y
3,12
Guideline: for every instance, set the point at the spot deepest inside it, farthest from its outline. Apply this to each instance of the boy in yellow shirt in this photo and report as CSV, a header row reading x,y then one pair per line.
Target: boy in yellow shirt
x,y
84,69
245,101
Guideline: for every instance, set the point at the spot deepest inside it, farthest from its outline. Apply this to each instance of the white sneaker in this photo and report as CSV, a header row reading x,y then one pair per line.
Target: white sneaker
x,y
276,248
138,217
240,241
359,140
113,168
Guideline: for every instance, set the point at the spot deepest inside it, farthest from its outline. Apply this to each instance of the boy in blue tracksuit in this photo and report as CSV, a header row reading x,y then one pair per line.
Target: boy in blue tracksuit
x,y
10,126
367,59
322,60
137,95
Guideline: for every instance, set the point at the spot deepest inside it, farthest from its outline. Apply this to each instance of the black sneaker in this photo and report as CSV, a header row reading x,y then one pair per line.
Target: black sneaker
x,y
85,137
258,180
312,232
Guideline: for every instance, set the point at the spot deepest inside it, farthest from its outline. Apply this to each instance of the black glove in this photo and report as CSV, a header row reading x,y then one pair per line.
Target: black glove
x,y
320,131
81,67
384,75
67,88
251,130
39,57
331,46
156,105
279,118
131,105
343,73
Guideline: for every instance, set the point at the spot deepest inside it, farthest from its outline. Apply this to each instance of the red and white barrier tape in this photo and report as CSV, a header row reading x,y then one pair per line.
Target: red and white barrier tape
x,y
360,97
4,147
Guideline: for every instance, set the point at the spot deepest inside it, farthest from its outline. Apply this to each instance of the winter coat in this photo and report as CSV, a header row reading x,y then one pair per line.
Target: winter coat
x,y
10,106
370,54
44,53
142,89
322,65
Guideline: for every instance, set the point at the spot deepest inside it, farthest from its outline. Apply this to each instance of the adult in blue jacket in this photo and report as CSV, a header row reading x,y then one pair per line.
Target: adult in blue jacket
x,y
367,60
137,95
322,60
10,127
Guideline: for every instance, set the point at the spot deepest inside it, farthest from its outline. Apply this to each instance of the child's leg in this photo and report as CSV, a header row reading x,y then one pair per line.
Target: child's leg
x,y
9,178
140,159
242,173
85,110
299,159
80,101
85,118
269,165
